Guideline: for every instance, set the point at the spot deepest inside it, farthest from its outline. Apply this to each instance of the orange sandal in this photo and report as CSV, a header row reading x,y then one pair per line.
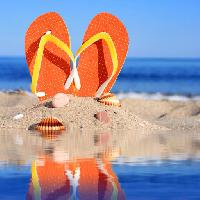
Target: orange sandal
x,y
55,62
100,64
48,53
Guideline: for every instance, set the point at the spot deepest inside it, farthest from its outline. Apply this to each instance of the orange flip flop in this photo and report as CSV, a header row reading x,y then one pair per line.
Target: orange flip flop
x,y
55,63
48,54
96,63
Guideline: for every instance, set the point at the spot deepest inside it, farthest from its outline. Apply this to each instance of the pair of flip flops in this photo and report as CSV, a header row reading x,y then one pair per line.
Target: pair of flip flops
x,y
91,72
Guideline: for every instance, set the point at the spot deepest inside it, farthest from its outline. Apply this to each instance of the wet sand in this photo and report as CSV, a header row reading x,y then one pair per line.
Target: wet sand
x,y
22,147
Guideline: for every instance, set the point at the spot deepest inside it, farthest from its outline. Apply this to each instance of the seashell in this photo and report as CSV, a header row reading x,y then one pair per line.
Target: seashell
x,y
49,125
109,99
19,116
103,117
60,100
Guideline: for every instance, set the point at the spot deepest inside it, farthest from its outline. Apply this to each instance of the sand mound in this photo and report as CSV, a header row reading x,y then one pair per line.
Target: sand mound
x,y
78,114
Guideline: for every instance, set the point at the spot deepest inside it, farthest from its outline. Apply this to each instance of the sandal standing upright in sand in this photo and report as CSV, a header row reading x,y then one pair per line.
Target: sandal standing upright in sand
x,y
49,78
49,56
98,63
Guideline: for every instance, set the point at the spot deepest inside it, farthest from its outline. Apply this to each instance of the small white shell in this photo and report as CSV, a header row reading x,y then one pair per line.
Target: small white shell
x,y
19,116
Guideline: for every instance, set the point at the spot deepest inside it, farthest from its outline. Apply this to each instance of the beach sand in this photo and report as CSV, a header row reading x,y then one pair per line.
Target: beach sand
x,y
147,129
79,113
174,115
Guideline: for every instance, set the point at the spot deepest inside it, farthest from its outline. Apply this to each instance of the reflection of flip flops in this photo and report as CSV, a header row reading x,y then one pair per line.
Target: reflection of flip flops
x,y
49,181
95,65
55,64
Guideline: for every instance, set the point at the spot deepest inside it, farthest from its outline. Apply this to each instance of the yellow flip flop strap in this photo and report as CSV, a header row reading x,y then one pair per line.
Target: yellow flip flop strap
x,y
38,61
35,182
106,37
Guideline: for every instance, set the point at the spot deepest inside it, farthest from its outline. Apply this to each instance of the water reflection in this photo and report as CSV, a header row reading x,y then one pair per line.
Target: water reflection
x,y
22,147
79,165
80,179
56,177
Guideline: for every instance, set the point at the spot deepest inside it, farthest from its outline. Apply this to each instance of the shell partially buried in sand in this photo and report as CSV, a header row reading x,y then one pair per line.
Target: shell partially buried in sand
x,y
109,99
49,125
60,100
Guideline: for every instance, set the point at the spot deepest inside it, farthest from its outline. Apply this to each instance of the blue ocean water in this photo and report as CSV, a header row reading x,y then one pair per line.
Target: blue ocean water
x,y
139,75
165,76
167,180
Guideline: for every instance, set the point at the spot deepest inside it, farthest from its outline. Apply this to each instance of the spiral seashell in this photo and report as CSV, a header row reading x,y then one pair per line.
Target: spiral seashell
x,y
109,99
49,125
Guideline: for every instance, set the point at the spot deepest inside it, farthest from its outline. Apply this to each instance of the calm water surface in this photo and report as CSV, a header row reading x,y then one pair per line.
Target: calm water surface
x,y
99,165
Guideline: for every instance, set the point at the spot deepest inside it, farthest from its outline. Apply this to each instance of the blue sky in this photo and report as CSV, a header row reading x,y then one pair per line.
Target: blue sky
x,y
157,28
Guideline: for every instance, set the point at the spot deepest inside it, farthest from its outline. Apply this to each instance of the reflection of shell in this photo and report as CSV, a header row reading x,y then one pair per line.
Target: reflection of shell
x,y
109,99
50,124
50,135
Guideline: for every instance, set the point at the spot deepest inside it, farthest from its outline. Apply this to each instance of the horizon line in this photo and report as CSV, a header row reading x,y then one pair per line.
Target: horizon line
x,y
128,57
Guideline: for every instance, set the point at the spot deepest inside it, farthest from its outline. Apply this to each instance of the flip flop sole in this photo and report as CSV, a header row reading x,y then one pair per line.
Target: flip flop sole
x,y
55,67
95,64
